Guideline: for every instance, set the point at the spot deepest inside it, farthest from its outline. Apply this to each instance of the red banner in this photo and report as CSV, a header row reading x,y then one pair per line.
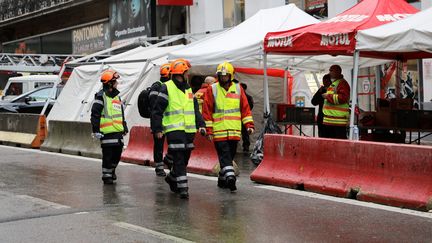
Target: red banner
x,y
175,2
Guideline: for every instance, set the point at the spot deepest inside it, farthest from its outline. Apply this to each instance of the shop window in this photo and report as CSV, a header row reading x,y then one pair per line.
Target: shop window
x,y
234,12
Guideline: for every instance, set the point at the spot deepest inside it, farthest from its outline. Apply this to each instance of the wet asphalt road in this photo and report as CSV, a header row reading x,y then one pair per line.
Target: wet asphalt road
x,y
48,197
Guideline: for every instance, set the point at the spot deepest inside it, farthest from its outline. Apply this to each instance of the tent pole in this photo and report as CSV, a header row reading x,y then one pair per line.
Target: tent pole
x,y
80,114
377,84
354,93
141,76
53,90
265,88
285,86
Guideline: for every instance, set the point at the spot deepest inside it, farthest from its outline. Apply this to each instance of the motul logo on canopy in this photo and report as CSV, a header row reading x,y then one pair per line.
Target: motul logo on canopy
x,y
391,17
335,39
347,18
279,41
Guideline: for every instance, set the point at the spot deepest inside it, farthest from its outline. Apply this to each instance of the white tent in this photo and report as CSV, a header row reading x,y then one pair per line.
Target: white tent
x,y
138,68
245,40
409,38
243,46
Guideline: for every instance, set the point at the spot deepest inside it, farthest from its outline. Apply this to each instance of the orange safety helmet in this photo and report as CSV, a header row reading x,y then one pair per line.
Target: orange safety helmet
x,y
186,61
108,76
165,70
179,66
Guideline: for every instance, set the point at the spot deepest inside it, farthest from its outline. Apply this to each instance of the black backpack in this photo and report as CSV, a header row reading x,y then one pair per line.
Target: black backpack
x,y
144,103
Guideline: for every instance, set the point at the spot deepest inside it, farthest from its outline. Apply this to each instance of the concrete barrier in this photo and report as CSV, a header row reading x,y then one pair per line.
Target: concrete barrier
x,y
23,130
140,146
392,174
72,137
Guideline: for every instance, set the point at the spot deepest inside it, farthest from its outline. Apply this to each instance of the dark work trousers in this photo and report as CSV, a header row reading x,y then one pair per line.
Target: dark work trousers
x,y
339,132
180,145
321,128
110,158
245,138
226,151
158,146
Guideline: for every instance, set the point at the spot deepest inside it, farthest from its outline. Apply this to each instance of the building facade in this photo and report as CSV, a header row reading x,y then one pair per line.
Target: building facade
x,y
87,26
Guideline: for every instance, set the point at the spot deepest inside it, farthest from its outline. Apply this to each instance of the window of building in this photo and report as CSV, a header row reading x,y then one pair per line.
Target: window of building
x,y
316,8
299,3
234,12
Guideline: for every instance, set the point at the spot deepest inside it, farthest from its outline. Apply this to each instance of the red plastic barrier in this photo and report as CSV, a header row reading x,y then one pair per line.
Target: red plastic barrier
x,y
140,147
204,157
393,174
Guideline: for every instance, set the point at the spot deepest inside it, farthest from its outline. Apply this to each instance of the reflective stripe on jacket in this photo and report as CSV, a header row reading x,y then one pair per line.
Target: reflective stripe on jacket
x,y
199,95
335,114
179,115
112,117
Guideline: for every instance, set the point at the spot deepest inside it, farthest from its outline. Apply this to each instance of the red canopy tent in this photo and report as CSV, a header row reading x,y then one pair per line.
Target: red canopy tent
x,y
336,36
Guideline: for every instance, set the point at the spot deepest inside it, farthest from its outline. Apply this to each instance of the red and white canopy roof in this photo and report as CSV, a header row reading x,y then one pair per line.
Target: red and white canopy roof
x,y
336,36
410,38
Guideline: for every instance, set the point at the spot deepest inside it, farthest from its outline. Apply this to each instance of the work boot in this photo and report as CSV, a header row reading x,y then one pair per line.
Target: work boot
x,y
168,161
107,179
114,176
231,183
160,172
222,183
184,193
172,184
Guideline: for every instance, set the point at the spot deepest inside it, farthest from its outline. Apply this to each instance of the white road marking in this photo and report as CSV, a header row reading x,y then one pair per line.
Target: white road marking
x,y
62,155
347,201
79,213
146,231
42,202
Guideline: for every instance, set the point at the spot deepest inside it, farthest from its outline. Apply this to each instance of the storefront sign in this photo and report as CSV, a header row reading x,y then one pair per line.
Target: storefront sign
x,y
129,18
316,8
90,39
315,4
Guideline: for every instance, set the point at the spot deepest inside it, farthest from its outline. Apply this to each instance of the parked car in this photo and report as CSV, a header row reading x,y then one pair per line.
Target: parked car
x,y
20,85
32,101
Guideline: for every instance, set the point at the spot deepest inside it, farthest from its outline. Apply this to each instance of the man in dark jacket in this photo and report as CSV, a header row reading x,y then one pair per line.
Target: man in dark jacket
x,y
108,124
176,115
158,143
244,132
318,100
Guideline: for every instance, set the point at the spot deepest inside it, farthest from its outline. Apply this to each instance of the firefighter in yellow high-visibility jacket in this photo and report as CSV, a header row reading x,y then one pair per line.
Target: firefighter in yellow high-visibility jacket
x,y
225,109
108,124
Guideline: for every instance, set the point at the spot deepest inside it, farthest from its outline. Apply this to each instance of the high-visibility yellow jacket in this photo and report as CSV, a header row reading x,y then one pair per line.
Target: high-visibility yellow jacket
x,y
224,111
112,117
336,110
179,115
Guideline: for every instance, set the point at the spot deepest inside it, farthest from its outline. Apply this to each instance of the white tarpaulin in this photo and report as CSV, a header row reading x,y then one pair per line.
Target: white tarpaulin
x,y
409,37
244,40
75,101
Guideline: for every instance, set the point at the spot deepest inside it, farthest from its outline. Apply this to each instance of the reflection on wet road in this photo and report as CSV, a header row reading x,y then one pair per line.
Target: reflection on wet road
x,y
50,197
